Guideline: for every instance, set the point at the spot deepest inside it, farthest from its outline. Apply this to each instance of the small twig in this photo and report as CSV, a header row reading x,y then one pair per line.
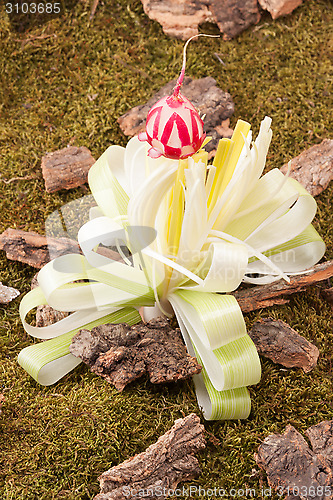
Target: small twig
x,y
257,28
33,38
217,55
93,9
13,179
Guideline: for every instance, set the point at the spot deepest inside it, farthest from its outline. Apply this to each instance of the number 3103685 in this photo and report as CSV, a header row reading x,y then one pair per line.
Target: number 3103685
x,y
33,8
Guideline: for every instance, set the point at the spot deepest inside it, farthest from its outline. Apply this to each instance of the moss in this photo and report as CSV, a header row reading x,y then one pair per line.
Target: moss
x,y
65,80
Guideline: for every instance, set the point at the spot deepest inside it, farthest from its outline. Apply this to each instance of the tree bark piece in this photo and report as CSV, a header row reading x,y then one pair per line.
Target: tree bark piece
x,y
66,168
314,167
204,95
33,248
279,8
7,293
295,470
277,341
261,296
178,18
181,18
160,468
121,354
234,16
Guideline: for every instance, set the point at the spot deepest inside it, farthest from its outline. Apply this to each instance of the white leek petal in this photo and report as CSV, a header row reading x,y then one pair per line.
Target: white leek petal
x,y
135,164
223,268
288,226
170,263
144,204
296,255
195,218
271,203
108,185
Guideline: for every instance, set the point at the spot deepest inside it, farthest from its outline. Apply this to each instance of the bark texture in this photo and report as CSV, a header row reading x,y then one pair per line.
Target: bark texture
x,y
279,8
178,18
121,354
163,465
181,18
204,95
234,16
261,296
277,341
33,248
314,167
67,168
293,468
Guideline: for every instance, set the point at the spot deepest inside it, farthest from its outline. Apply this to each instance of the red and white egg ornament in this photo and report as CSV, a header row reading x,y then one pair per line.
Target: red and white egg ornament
x,y
174,128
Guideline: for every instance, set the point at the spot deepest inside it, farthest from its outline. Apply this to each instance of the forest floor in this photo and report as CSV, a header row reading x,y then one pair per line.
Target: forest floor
x,y
66,81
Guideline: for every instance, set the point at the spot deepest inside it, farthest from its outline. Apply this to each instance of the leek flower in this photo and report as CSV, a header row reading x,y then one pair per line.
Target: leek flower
x,y
205,229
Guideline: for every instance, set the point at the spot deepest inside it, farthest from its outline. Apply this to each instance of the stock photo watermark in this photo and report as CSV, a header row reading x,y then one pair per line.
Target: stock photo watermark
x,y
194,491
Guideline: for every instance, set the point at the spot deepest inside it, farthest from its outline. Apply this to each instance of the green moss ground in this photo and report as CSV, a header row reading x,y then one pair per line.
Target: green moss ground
x,y
56,441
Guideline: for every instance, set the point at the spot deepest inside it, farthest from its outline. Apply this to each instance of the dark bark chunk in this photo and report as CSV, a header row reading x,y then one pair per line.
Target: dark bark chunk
x,y
290,463
234,16
67,168
277,341
33,248
163,465
261,296
321,437
121,354
314,167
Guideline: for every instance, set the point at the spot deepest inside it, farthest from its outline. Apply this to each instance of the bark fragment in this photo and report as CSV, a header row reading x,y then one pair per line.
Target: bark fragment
x,y
33,248
279,8
66,168
121,354
178,18
181,18
7,293
293,468
234,16
261,296
204,95
277,341
314,167
163,465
